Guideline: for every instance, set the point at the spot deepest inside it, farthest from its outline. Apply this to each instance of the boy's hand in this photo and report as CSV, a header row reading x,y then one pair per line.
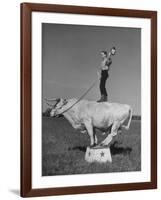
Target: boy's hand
x,y
109,55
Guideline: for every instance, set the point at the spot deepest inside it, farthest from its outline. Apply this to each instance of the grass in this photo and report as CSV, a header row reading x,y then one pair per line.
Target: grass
x,y
63,149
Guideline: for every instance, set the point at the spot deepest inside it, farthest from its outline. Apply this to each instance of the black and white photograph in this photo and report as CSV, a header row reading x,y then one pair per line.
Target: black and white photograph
x,y
91,99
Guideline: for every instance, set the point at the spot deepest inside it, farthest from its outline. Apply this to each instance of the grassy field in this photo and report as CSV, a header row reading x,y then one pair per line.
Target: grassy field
x,y
63,149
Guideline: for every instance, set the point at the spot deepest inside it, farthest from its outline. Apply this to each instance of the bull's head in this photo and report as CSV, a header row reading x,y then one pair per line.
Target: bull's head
x,y
58,107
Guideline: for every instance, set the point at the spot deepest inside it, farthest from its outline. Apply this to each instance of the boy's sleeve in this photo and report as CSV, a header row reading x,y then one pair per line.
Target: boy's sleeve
x,y
109,62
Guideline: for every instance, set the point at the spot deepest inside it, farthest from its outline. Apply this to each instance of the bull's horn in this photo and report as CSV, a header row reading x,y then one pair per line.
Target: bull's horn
x,y
53,99
49,104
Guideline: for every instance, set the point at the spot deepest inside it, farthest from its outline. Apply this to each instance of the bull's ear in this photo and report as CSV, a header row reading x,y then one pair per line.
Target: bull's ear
x,y
65,102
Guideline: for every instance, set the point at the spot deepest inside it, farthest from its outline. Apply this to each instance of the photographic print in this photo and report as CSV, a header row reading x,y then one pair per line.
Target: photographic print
x,y
109,113
88,99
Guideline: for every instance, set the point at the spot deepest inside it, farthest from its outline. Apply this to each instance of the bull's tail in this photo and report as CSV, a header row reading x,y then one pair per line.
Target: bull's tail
x,y
130,118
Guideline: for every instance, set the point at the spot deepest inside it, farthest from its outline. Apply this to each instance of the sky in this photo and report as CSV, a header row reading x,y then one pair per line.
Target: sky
x,y
71,58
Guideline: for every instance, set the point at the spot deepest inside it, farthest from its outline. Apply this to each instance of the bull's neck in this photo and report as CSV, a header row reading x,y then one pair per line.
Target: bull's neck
x,y
69,115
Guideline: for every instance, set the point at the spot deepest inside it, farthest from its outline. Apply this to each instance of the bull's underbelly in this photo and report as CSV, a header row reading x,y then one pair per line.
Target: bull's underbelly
x,y
99,125
102,127
102,124
81,127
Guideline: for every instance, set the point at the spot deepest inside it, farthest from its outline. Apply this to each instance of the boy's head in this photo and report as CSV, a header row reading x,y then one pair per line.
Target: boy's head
x,y
113,50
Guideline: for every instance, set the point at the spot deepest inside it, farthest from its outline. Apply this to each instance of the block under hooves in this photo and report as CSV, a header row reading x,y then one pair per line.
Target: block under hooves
x,y
98,154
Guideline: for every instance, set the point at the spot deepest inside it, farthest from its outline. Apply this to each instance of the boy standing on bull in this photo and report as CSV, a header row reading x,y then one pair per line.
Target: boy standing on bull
x,y
103,72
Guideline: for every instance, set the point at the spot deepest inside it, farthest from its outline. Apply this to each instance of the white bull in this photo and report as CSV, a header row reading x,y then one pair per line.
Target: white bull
x,y
87,115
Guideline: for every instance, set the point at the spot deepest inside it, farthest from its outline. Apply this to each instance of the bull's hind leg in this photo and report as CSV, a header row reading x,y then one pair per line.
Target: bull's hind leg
x,y
113,133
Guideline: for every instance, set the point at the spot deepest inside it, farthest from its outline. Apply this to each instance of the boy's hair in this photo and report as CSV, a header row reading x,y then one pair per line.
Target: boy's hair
x,y
105,52
113,48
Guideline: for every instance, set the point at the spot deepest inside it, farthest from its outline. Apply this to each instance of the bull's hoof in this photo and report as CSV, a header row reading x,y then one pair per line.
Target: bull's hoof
x,y
103,145
94,145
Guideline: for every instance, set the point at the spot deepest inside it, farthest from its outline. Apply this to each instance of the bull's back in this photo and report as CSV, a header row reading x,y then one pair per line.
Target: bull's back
x,y
104,114
118,111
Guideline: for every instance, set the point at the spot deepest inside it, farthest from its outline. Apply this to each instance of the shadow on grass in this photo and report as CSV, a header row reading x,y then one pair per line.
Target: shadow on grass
x,y
80,148
119,150
115,149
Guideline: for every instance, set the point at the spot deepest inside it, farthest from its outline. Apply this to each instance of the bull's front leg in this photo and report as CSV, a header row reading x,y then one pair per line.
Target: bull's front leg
x,y
95,139
89,127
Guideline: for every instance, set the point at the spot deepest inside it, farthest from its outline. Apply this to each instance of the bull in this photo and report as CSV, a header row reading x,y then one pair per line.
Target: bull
x,y
87,116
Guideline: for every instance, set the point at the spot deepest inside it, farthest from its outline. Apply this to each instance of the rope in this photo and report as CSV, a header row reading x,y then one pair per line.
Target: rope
x,y
81,97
